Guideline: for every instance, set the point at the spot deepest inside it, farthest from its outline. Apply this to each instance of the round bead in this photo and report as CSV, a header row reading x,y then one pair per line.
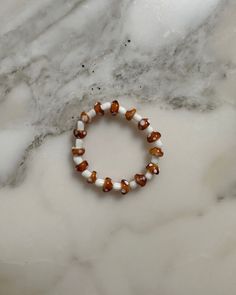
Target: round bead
x,y
155,151
140,179
155,135
143,124
82,166
98,108
153,168
107,186
80,133
125,187
130,114
92,178
114,109
77,151
84,117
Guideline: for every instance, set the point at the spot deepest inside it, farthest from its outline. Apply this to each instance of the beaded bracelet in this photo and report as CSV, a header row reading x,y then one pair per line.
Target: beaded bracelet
x,y
153,137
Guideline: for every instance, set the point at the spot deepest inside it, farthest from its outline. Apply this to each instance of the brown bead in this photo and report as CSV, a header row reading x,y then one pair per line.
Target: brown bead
x,y
77,151
82,166
153,168
129,114
92,178
155,151
84,117
125,188
143,124
107,186
140,179
155,135
79,133
98,109
114,107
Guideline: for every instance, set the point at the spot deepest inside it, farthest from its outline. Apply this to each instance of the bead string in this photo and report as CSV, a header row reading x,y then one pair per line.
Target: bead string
x,y
143,124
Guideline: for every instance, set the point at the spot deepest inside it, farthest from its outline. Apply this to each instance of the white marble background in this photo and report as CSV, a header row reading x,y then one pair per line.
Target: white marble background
x,y
175,61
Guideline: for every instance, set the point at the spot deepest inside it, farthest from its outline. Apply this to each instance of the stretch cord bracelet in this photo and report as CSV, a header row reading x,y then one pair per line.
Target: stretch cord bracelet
x,y
143,124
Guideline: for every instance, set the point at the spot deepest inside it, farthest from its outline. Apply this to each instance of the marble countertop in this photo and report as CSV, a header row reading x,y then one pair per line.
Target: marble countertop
x,y
175,62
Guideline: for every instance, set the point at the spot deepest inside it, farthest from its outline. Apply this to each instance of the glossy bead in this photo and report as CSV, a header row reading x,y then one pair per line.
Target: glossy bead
x,y
107,186
79,133
155,151
114,109
140,179
84,117
143,124
153,168
129,114
82,166
92,178
98,108
155,135
77,151
125,187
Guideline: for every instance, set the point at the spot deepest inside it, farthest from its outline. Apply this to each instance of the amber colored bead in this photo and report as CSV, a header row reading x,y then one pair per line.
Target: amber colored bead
x,y
114,107
77,151
125,187
82,166
80,133
84,117
129,114
153,168
107,186
92,178
155,151
98,109
155,135
140,179
143,124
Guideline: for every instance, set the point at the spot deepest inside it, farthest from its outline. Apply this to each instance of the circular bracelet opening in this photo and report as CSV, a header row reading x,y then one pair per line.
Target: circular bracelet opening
x,y
143,124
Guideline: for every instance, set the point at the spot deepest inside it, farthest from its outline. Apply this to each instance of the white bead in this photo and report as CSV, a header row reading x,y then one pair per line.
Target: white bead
x,y
148,175
158,143
122,110
99,182
106,106
80,125
133,184
137,117
79,143
149,129
86,173
91,113
154,160
116,186
77,160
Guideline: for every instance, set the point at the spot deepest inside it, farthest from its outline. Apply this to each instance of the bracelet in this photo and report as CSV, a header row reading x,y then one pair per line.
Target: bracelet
x,y
143,124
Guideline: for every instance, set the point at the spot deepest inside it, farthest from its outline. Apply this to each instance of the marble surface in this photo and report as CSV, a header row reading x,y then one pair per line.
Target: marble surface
x,y
175,61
